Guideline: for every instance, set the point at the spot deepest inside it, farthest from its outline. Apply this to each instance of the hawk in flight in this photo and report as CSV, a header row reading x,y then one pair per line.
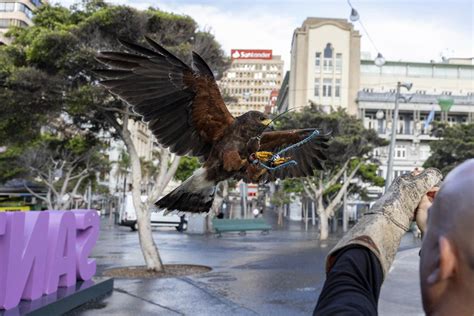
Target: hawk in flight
x,y
186,113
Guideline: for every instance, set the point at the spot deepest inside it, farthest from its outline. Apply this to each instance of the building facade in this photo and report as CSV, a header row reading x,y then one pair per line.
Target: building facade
x,y
252,81
16,13
325,55
326,69
450,81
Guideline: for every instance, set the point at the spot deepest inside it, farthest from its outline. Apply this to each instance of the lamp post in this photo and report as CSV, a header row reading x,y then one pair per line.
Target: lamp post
x,y
388,178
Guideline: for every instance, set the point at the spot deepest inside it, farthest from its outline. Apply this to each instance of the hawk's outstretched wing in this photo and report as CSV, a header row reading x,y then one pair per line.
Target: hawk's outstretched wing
x,y
183,106
309,156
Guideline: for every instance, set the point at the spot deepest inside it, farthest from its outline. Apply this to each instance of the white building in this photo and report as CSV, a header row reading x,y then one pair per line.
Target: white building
x,y
451,80
251,79
325,55
326,69
16,13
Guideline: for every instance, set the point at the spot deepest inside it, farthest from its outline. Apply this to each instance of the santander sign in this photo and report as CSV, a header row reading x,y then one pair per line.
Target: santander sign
x,y
251,54
41,251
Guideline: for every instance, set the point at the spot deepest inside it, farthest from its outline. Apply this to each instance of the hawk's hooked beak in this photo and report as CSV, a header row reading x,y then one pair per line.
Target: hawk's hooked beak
x,y
266,122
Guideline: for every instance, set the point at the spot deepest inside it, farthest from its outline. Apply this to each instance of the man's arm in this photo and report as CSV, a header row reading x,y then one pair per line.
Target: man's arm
x,y
353,284
376,236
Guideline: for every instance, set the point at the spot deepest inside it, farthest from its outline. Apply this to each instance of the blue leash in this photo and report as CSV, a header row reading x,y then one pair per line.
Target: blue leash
x,y
284,150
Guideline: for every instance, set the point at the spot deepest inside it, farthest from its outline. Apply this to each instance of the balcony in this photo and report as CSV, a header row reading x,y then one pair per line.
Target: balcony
x,y
389,97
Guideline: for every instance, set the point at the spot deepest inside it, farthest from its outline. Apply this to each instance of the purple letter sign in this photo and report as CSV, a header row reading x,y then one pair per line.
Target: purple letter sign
x,y
41,251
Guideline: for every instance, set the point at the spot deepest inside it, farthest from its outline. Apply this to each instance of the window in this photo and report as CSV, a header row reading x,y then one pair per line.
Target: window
x,y
338,63
7,6
26,10
327,63
327,87
337,89
369,121
37,3
370,69
445,72
380,128
466,73
400,152
420,71
4,23
317,62
397,70
316,87
328,51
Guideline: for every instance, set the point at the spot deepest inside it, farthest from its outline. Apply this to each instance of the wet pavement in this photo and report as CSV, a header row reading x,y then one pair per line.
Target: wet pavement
x,y
276,274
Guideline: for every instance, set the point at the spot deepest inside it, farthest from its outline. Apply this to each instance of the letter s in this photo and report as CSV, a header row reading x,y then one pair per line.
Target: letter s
x,y
87,223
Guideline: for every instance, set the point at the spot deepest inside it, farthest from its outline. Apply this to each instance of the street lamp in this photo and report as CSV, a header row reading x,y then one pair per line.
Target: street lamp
x,y
354,15
379,60
388,178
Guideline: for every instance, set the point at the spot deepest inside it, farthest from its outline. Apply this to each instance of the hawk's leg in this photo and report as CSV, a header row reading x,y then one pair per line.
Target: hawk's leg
x,y
232,161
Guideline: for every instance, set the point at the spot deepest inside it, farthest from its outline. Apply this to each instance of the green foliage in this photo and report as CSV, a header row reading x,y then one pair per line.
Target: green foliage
x,y
368,173
47,71
349,137
455,146
280,198
9,167
350,142
186,167
27,95
292,186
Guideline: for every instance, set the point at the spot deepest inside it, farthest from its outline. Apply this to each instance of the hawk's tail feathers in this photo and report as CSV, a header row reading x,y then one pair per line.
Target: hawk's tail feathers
x,y
194,195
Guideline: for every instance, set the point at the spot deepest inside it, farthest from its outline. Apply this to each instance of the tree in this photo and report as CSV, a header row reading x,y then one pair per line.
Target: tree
x,y
62,45
280,198
348,154
62,163
455,146
186,167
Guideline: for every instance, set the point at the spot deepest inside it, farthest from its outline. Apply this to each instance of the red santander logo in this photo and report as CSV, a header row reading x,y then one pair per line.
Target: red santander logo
x,y
251,54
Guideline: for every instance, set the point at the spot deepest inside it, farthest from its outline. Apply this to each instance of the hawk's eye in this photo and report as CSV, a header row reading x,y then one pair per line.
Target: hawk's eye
x,y
261,118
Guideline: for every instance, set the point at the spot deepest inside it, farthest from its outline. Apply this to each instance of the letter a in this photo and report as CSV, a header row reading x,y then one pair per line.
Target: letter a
x,y
61,267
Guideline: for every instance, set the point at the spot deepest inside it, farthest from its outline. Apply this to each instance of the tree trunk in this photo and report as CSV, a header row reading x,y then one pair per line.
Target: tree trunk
x,y
305,212
280,216
323,225
147,244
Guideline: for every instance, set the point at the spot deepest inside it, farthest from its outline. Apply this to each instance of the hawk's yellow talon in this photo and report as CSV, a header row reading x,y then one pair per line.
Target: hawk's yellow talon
x,y
263,155
280,161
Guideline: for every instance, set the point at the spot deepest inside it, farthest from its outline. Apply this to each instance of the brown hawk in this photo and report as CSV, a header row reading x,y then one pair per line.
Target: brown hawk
x,y
186,113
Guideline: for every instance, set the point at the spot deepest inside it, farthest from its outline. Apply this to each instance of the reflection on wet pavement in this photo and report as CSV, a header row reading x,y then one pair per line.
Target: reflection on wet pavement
x,y
277,274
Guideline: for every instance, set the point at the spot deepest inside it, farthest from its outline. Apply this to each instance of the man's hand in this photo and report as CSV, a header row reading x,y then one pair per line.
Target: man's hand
x,y
421,213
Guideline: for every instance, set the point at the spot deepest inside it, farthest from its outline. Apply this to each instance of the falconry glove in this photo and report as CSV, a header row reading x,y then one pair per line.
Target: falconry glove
x,y
381,229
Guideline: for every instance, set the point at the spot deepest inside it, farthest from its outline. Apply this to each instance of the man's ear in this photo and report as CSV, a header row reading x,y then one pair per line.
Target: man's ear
x,y
446,263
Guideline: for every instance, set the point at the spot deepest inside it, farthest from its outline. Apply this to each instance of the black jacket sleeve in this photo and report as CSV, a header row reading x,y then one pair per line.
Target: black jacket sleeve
x,y
352,286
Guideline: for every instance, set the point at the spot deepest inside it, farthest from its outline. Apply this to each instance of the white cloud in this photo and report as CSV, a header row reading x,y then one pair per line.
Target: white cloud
x,y
243,29
410,40
396,36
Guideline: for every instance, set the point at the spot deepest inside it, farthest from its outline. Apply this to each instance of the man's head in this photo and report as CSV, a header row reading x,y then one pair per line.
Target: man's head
x,y
447,254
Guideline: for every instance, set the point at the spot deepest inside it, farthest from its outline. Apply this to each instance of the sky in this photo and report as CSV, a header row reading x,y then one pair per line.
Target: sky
x,y
409,30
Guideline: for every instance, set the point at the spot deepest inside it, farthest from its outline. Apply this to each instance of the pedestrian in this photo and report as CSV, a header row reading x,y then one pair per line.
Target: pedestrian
x,y
358,264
